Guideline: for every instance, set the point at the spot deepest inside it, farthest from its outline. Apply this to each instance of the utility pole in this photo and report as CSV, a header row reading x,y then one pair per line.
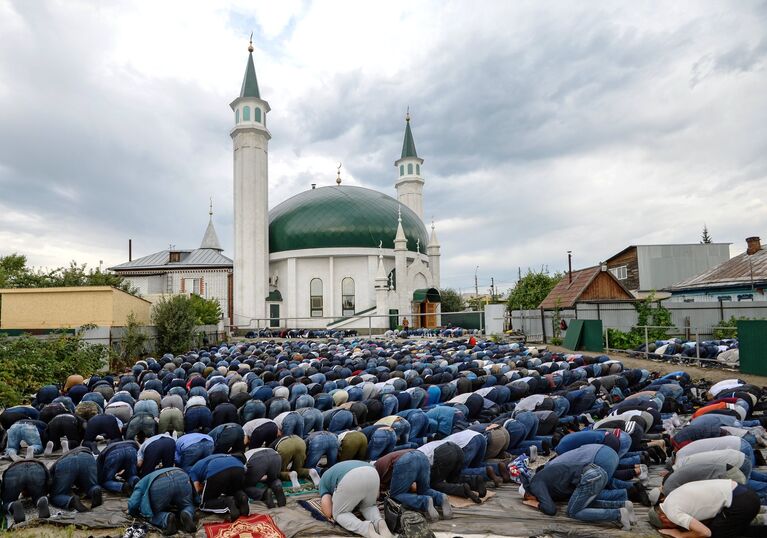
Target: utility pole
x,y
476,283
492,288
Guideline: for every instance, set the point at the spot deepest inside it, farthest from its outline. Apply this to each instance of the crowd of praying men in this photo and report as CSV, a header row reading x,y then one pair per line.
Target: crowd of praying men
x,y
221,427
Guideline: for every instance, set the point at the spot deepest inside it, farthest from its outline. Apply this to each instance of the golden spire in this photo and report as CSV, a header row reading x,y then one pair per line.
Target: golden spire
x,y
407,114
338,173
250,46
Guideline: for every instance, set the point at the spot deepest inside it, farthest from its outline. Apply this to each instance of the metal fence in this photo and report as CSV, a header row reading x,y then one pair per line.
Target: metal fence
x,y
689,319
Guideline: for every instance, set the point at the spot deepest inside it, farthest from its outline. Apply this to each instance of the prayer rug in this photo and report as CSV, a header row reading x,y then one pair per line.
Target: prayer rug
x,y
255,526
463,502
314,507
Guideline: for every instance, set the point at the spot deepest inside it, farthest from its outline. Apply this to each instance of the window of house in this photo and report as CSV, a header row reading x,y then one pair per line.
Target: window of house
x,y
192,285
347,297
174,257
621,273
257,114
315,298
246,113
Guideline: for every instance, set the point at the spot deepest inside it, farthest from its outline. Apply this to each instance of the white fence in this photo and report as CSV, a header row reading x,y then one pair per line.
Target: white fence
x,y
688,318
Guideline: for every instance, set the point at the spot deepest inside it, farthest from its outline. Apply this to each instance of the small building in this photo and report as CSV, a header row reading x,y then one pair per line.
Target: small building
x,y
204,271
70,307
644,269
743,278
591,285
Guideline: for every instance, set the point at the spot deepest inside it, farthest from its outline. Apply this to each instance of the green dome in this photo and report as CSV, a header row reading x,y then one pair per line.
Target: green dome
x,y
341,216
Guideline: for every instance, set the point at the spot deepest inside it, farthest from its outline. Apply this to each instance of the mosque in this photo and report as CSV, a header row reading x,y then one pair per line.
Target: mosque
x,y
328,257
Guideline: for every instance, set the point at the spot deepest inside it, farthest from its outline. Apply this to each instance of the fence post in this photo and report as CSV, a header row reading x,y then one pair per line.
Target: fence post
x,y
370,327
697,345
543,325
607,338
646,344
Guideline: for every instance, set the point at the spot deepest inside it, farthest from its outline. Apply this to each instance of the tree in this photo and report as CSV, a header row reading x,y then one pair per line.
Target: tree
x,y
704,237
532,289
175,319
14,273
451,300
132,344
207,311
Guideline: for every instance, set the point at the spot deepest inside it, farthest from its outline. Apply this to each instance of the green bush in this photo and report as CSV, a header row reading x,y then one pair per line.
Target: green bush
x,y
133,345
624,340
207,311
175,319
27,363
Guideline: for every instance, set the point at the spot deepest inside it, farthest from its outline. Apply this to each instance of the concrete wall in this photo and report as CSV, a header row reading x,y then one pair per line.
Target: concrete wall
x,y
53,308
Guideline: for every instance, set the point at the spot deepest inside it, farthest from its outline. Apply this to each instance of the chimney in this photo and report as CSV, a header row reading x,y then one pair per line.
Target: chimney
x,y
314,186
130,250
754,245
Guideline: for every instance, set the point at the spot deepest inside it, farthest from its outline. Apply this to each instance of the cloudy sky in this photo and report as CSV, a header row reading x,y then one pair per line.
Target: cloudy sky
x,y
545,126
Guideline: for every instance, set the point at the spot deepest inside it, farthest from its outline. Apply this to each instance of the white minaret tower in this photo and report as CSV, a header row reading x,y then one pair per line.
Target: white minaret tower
x,y
409,181
432,249
400,266
251,201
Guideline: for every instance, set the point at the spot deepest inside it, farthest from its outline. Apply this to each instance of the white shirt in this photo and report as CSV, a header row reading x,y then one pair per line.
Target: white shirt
x,y
707,445
529,403
429,449
728,457
725,385
700,500
462,438
251,425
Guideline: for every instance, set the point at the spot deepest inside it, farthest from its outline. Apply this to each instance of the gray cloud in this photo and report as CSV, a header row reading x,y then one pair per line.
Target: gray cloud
x,y
544,127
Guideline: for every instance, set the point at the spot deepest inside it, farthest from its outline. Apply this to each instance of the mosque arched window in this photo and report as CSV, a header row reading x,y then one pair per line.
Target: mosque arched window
x,y
237,116
347,297
257,114
410,168
418,169
315,298
402,169
246,113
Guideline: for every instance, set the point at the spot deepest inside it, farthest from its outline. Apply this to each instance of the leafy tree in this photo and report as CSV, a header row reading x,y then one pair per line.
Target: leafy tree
x,y
451,300
29,363
704,237
532,289
133,344
175,319
207,311
14,273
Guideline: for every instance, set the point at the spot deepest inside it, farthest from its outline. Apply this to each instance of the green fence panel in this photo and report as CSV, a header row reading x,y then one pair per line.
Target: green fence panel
x,y
592,336
574,335
752,343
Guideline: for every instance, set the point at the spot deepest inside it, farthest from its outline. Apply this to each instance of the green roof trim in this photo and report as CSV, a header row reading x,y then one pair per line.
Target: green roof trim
x,y
427,294
274,296
408,145
250,82
341,216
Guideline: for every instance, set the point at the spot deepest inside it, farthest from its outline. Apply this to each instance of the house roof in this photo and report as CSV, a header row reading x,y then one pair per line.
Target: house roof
x,y
198,258
565,294
738,271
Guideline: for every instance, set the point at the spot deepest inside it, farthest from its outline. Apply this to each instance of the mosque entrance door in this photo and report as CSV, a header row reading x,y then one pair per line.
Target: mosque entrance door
x,y
274,315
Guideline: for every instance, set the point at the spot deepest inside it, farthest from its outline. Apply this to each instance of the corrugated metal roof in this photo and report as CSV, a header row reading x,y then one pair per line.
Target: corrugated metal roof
x,y
201,257
742,269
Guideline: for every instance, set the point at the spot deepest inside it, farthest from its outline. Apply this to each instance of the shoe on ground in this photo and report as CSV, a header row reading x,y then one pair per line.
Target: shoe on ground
x,y
43,510
382,529
77,505
97,498
17,509
372,531
533,453
315,476
241,500
187,523
171,527
30,452
447,510
279,494
232,514
625,520
64,445
431,512
268,498
628,505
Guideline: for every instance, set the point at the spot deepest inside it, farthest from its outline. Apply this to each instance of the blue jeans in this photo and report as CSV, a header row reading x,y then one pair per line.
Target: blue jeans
x,y
402,429
414,467
170,490
592,483
78,469
24,477
474,456
313,421
278,406
419,426
341,421
119,459
197,418
381,442
293,424
23,431
319,444
194,453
